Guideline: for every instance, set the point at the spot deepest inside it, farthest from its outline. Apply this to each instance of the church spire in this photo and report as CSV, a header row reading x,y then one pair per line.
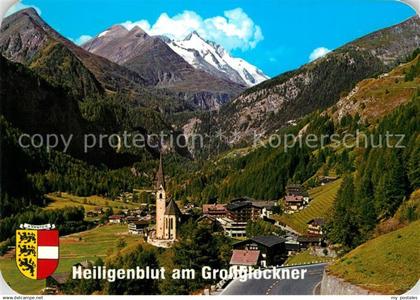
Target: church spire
x,y
160,176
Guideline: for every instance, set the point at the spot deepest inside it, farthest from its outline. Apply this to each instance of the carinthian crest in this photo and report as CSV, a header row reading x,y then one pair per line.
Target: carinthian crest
x,y
37,251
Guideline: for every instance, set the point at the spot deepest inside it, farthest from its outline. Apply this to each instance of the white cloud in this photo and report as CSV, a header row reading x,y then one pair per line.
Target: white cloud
x,y
143,24
19,6
234,30
82,39
318,52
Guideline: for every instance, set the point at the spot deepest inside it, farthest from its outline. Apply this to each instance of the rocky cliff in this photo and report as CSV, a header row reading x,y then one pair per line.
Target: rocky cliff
x,y
272,104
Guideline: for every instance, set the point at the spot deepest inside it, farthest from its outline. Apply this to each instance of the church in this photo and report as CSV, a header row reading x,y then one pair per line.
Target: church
x,y
168,215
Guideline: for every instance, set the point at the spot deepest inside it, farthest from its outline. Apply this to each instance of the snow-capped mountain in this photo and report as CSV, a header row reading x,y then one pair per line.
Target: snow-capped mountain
x,y
212,58
161,67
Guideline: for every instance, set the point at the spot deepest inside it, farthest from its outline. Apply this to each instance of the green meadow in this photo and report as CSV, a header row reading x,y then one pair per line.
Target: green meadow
x,y
61,200
387,264
305,257
102,241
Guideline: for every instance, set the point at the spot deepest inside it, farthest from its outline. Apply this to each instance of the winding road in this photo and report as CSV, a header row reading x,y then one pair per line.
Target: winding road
x,y
304,286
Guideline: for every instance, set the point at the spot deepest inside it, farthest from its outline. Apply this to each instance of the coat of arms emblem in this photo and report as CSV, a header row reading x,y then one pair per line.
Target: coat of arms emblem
x,y
37,250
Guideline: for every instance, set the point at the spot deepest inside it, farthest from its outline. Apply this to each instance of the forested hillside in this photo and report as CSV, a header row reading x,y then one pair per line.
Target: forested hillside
x,y
31,105
62,89
378,175
383,179
275,103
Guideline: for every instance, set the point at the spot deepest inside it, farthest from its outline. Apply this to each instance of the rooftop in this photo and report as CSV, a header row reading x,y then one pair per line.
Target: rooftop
x,y
317,222
85,264
309,239
61,278
296,190
245,257
264,204
116,217
293,198
141,222
268,240
213,208
239,203
172,209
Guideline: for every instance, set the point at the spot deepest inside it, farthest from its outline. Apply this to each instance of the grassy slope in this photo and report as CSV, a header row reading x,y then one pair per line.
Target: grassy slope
x,y
322,200
374,98
305,258
413,201
88,203
91,244
388,264
16,280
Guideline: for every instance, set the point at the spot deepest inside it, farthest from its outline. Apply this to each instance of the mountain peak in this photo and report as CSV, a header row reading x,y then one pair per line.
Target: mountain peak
x,y
27,12
117,27
192,35
212,58
164,38
138,31
114,31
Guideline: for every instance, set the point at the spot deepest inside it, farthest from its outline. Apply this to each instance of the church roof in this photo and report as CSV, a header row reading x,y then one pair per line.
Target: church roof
x,y
172,209
160,176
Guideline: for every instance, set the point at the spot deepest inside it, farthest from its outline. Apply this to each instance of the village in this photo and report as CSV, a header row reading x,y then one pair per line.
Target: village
x,y
158,225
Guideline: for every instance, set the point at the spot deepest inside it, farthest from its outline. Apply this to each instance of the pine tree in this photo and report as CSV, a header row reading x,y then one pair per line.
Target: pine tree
x,y
344,224
366,203
414,167
395,185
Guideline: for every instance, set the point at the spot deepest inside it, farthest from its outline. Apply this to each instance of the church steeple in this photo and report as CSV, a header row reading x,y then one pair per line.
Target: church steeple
x,y
167,216
160,176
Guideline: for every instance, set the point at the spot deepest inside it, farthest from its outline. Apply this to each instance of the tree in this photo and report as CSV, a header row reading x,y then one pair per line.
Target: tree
x,y
414,166
121,243
392,187
198,248
366,202
261,227
344,227
142,258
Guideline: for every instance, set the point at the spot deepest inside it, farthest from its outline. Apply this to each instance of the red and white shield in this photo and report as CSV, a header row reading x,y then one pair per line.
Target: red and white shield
x,y
37,252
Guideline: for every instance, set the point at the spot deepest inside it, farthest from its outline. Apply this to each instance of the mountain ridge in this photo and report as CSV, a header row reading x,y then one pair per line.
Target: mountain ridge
x,y
38,33
162,67
25,34
269,106
367,99
212,58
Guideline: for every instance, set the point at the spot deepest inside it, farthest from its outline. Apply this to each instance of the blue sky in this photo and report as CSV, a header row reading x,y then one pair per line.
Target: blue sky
x,y
275,35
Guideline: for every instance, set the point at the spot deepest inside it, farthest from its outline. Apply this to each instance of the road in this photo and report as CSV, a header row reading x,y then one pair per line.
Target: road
x,y
278,287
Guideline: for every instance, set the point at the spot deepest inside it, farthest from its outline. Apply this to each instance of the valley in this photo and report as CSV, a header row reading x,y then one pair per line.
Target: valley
x,y
189,205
